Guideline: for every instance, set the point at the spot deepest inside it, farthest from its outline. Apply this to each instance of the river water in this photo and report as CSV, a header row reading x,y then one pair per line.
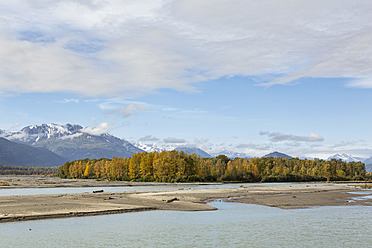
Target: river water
x,y
232,225
71,190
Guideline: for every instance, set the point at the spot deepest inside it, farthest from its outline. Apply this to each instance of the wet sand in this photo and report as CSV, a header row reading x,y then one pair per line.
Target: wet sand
x,y
21,208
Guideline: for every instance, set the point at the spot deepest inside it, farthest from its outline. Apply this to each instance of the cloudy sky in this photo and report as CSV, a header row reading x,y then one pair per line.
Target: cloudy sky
x,y
249,76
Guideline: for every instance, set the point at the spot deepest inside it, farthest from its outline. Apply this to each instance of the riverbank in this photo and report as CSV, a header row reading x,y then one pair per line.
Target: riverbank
x,y
11,182
33,207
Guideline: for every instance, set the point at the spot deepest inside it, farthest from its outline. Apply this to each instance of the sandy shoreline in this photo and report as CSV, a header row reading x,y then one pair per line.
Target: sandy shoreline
x,y
12,182
33,207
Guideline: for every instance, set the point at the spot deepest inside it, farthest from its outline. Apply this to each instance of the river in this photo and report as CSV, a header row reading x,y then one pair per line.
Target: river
x,y
232,225
71,190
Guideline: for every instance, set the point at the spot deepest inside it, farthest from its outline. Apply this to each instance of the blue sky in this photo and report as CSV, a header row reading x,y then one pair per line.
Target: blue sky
x,y
247,76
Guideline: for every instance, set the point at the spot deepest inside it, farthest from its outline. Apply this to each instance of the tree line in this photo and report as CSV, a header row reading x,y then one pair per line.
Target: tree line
x,y
177,166
23,170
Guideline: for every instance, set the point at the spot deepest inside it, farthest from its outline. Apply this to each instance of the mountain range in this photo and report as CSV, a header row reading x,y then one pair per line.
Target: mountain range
x,y
159,148
54,144
346,157
72,142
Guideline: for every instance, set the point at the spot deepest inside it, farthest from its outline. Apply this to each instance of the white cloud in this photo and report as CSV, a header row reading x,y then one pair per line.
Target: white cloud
x,y
18,136
361,83
279,137
201,143
125,48
72,136
169,109
69,101
101,128
260,147
128,110
349,143
173,140
14,126
148,138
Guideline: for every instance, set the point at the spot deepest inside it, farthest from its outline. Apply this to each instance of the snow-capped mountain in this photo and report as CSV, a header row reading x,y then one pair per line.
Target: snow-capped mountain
x,y
351,158
37,133
346,157
158,147
73,141
154,147
231,154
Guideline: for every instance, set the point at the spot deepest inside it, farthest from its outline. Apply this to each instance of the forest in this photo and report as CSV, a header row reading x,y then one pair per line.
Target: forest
x,y
177,166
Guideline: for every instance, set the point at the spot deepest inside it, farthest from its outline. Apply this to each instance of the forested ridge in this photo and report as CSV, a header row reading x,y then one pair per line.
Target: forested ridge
x,y
177,166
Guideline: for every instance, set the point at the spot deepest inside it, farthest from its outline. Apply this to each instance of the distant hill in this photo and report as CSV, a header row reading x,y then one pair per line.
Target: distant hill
x,y
12,153
277,155
368,163
195,150
73,141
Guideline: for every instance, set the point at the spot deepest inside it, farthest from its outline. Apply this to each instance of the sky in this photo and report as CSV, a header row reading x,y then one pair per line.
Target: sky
x,y
246,76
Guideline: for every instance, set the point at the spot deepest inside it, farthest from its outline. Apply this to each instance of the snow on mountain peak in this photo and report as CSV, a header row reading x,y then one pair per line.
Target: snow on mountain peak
x,y
159,147
150,147
345,157
230,154
35,133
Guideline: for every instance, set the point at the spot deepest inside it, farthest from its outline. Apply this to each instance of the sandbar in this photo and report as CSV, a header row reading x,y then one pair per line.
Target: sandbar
x,y
35,207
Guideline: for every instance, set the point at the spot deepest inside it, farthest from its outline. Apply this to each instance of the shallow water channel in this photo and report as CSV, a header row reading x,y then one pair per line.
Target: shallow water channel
x,y
233,225
71,190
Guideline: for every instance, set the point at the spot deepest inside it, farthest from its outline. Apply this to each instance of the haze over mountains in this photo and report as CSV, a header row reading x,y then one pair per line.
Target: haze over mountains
x,y
12,153
54,144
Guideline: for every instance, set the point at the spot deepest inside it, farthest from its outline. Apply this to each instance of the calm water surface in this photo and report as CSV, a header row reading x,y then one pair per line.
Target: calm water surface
x,y
70,190
233,225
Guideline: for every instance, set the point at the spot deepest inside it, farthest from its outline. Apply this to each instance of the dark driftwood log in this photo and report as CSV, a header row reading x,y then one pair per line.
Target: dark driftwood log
x,y
171,200
98,191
